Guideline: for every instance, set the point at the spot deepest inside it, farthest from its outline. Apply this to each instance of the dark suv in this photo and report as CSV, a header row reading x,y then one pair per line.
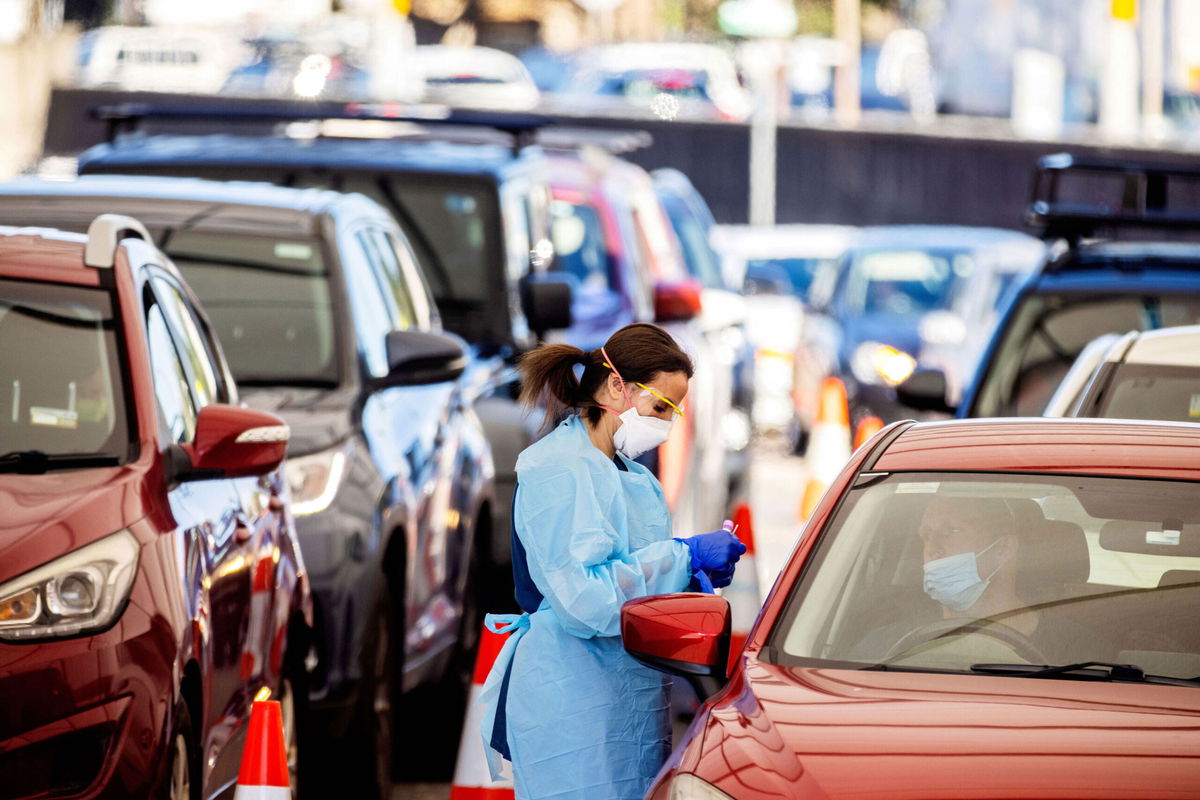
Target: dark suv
x,y
151,584
1091,284
476,214
323,312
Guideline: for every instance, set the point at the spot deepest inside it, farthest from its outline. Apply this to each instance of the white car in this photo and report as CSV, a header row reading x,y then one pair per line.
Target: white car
x,y
1152,375
774,265
157,59
476,77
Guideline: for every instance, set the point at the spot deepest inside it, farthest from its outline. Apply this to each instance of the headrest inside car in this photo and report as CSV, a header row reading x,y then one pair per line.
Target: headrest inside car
x,y
1151,538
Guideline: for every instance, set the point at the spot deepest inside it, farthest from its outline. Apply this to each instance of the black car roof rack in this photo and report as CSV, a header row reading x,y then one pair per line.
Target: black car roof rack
x,y
524,128
1143,197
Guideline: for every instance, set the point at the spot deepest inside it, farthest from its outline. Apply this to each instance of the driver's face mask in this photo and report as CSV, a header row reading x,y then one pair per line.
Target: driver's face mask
x,y
954,580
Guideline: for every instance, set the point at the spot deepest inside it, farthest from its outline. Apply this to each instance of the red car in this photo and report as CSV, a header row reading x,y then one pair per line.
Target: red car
x,y
990,609
150,582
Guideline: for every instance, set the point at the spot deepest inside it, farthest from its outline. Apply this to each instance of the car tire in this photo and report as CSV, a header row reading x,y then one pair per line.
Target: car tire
x,y
359,765
429,754
181,773
297,722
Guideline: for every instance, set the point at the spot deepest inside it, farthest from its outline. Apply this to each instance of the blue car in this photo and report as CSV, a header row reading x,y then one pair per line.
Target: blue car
x,y
866,310
1088,286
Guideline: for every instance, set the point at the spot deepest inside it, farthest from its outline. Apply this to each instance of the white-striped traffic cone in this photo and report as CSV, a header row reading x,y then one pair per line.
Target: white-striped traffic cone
x,y
867,427
828,444
472,781
264,772
742,593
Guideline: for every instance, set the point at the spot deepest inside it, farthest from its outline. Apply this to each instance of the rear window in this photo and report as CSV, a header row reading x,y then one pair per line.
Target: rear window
x,y
61,373
1149,391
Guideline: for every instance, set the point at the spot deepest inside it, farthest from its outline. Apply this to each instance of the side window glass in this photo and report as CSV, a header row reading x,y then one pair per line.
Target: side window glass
x,y
198,360
176,410
424,308
387,269
373,319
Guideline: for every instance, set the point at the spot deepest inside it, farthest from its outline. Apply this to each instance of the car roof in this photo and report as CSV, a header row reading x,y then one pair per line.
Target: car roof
x,y
939,236
1168,346
783,241
1054,446
224,205
356,154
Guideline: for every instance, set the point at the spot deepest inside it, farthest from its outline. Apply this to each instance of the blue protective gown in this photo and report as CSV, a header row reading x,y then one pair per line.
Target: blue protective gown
x,y
584,720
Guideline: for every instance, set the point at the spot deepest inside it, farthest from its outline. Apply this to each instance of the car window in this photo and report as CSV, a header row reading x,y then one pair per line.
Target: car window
x,y
701,260
1048,331
371,305
1149,391
61,387
580,248
902,282
386,267
1042,570
268,299
413,279
176,408
198,361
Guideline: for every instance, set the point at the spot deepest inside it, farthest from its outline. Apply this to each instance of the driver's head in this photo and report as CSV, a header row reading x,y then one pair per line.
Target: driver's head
x,y
969,546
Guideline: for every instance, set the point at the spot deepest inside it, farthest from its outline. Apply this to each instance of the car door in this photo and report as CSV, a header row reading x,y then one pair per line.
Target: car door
x,y
208,515
420,417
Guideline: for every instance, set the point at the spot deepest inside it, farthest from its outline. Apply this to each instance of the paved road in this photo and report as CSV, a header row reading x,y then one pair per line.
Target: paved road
x,y
776,486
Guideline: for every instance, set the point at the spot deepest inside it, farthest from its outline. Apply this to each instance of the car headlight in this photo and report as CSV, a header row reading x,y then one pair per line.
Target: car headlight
x,y
79,593
876,363
314,479
686,786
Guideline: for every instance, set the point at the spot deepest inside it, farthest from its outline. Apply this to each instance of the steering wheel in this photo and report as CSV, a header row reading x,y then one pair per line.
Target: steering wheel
x,y
1005,634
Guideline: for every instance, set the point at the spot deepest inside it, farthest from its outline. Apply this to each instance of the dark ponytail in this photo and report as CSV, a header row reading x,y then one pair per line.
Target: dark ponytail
x,y
641,352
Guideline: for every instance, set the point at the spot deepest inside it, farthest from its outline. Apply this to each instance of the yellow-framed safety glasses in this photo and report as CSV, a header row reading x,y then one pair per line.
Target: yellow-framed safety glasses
x,y
674,407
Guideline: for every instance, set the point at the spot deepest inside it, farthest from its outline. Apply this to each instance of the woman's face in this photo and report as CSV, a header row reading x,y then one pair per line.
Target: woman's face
x,y
650,401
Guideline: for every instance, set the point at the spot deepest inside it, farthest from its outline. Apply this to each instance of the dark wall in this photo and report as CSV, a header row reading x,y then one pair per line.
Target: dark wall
x,y
860,177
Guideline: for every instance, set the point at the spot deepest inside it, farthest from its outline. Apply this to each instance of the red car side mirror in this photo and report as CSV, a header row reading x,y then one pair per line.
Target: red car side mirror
x,y
677,302
236,442
682,634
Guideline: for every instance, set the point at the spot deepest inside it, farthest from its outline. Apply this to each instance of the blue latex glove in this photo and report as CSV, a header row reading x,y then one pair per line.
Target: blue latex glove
x,y
700,583
714,551
721,577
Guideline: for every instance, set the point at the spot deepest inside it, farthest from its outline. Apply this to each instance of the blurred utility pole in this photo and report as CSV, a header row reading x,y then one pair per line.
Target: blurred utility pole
x,y
1153,62
1119,73
847,29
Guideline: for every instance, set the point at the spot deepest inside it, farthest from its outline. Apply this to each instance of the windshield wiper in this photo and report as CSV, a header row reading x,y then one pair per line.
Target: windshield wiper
x,y
36,462
1085,670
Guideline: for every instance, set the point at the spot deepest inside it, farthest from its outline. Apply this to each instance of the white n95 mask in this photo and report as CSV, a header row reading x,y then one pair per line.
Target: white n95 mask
x,y
638,434
954,581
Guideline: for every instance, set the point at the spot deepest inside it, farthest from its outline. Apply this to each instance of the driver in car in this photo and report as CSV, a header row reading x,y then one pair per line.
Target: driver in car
x,y
971,550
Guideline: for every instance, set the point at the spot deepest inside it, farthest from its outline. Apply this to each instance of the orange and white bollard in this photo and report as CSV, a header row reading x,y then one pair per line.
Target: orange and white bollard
x,y
743,595
472,780
264,772
828,445
867,427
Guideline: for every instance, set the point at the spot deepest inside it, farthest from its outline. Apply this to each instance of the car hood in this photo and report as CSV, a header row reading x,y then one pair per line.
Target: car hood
x,y
319,418
825,733
47,516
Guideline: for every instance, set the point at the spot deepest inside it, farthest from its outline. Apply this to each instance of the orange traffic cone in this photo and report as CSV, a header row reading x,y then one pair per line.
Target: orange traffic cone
x,y
264,773
742,594
471,778
867,427
828,444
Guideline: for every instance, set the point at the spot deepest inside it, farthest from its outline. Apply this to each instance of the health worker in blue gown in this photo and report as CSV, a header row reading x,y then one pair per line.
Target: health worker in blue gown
x,y
576,715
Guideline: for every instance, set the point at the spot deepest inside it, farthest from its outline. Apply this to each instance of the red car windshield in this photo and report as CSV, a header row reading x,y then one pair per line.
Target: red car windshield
x,y
62,402
960,571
